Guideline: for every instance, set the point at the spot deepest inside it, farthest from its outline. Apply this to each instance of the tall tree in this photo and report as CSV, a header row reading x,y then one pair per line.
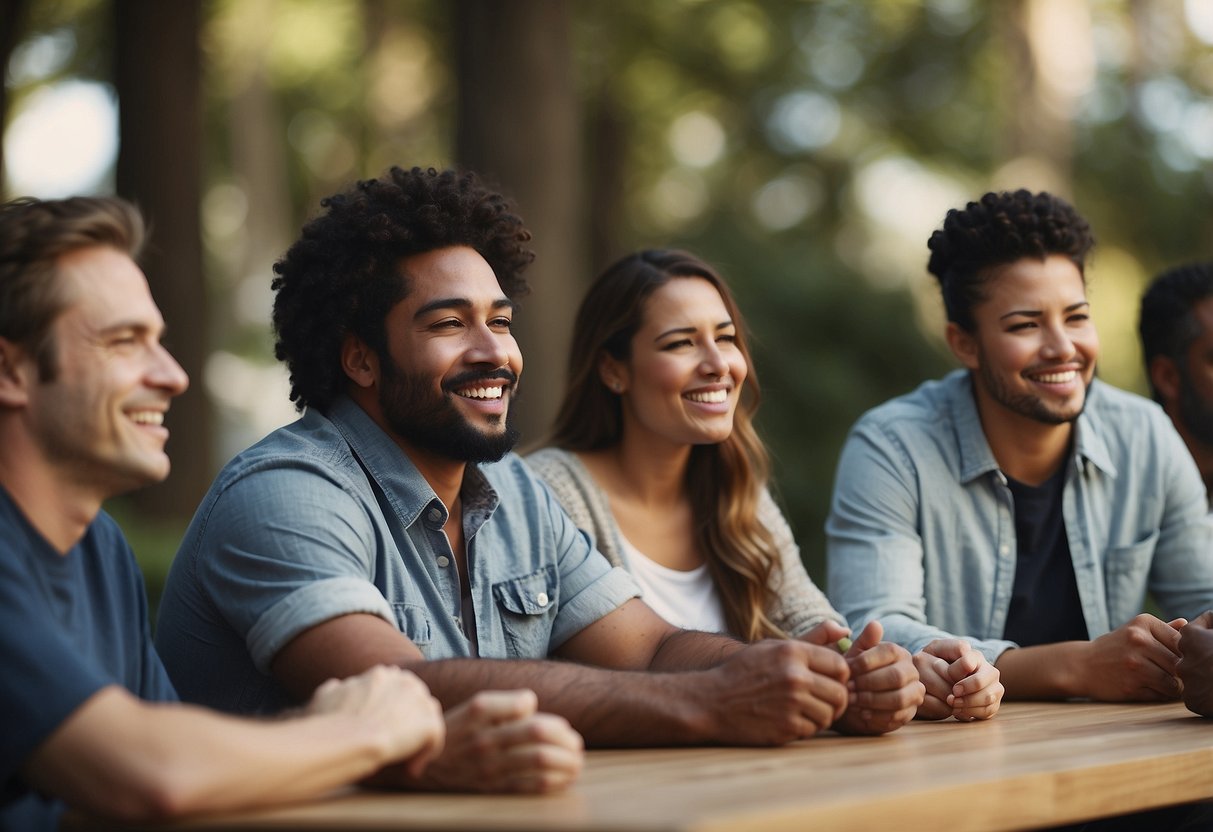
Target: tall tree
x,y
12,23
517,124
157,73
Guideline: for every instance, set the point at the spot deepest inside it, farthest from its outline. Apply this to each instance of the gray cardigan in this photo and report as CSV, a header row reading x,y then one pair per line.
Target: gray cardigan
x,y
797,605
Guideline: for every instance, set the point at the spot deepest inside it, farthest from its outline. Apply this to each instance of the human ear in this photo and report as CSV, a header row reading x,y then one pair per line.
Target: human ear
x,y
613,372
1164,377
963,345
15,370
359,362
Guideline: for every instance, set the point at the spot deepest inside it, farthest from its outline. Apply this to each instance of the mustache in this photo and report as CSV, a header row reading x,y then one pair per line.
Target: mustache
x,y
472,376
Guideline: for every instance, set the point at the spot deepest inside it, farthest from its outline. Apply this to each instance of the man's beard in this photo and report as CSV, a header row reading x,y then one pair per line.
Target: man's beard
x,y
1195,412
1026,404
434,423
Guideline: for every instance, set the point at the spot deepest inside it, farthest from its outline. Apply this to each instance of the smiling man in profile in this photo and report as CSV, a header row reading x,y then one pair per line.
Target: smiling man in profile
x,y
391,523
87,715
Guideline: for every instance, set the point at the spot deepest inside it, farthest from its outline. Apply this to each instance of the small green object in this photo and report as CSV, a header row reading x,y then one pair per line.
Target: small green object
x,y
844,644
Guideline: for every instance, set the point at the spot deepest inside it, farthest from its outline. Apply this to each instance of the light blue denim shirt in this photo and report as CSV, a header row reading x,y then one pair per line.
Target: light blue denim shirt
x,y
328,517
921,532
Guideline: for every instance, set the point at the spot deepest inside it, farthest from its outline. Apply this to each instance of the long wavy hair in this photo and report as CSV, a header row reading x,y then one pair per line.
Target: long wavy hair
x,y
724,480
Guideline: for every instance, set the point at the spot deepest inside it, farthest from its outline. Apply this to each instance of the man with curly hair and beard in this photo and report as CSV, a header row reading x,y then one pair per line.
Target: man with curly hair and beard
x,y
390,524
1019,502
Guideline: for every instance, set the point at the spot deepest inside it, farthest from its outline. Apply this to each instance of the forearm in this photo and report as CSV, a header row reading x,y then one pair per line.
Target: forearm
x,y
136,761
1045,671
607,707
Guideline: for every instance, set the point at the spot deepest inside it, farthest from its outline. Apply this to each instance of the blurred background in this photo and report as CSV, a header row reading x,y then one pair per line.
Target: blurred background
x,y
805,147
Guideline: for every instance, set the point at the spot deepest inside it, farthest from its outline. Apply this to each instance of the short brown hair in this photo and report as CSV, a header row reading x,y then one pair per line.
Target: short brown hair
x,y
34,234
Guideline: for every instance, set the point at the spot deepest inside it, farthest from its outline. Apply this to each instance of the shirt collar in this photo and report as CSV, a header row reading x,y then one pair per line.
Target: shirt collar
x,y
396,475
976,458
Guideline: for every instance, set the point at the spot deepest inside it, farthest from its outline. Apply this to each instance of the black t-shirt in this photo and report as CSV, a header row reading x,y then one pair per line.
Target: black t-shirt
x,y
1045,607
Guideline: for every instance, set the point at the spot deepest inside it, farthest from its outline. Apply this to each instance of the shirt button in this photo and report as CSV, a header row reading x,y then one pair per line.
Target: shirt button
x,y
444,561
435,514
542,599
1003,550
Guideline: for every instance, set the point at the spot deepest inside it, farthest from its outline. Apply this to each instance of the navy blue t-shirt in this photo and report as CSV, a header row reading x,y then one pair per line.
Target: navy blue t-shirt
x,y
70,625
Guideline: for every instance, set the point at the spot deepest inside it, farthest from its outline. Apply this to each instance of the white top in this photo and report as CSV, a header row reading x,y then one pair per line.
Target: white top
x,y
685,599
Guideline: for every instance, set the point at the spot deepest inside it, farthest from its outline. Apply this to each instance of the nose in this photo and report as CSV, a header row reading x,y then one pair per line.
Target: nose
x,y
713,363
489,347
1057,345
166,374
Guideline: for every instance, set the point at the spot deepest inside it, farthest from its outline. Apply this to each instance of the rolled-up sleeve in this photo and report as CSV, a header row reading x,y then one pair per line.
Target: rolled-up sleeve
x,y
284,550
590,587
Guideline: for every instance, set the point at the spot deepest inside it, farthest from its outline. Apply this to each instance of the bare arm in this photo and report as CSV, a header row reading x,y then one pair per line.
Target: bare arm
x,y
762,694
122,757
1133,663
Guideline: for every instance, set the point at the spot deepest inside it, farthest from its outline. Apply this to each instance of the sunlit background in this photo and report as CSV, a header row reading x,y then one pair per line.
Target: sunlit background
x,y
807,148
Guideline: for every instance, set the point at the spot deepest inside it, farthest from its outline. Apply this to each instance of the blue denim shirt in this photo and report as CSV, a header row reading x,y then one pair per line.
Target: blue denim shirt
x,y
328,517
921,532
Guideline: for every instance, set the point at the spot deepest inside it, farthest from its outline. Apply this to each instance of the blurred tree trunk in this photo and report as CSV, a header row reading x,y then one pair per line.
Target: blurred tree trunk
x,y
12,24
517,125
1052,64
157,74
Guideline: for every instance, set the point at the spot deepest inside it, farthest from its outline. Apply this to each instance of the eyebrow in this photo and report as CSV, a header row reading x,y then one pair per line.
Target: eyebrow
x,y
1036,313
458,303
687,330
121,326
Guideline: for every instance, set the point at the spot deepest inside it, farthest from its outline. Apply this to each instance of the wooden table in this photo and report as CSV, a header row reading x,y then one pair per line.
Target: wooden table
x,y
1036,764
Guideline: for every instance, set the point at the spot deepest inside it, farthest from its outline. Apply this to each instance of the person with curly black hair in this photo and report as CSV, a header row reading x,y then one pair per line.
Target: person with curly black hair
x,y
1019,502
1176,328
391,524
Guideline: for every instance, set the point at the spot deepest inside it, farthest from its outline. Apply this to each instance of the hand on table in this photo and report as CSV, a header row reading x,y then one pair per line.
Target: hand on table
x,y
395,699
1135,663
884,690
959,681
1195,666
498,741
775,691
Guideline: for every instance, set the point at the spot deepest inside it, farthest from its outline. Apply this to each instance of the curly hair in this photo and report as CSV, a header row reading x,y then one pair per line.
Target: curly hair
x,y
1167,324
343,275
998,229
724,480
34,234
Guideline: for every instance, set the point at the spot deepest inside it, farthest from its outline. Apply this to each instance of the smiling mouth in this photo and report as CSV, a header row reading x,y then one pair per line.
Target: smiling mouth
x,y
708,396
154,418
481,393
1055,378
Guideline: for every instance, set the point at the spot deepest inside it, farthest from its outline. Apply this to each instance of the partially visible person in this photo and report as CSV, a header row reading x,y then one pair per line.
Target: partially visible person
x,y
88,716
1176,329
1196,663
391,523
656,456
1020,503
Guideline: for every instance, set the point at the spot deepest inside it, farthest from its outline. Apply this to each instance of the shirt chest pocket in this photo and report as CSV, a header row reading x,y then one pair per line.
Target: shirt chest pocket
x,y
528,607
1126,573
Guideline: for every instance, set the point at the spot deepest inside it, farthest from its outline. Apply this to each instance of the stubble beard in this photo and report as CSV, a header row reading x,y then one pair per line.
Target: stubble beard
x,y
433,422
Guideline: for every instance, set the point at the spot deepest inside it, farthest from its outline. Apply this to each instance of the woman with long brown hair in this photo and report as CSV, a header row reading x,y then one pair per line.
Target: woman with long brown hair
x,y
655,455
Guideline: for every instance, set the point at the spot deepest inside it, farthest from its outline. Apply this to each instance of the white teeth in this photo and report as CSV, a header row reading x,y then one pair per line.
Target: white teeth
x,y
709,397
482,393
1057,378
147,417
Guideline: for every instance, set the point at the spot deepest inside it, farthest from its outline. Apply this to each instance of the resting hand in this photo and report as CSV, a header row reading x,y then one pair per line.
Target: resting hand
x,y
497,741
959,681
1135,663
884,690
774,691
410,719
1196,667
